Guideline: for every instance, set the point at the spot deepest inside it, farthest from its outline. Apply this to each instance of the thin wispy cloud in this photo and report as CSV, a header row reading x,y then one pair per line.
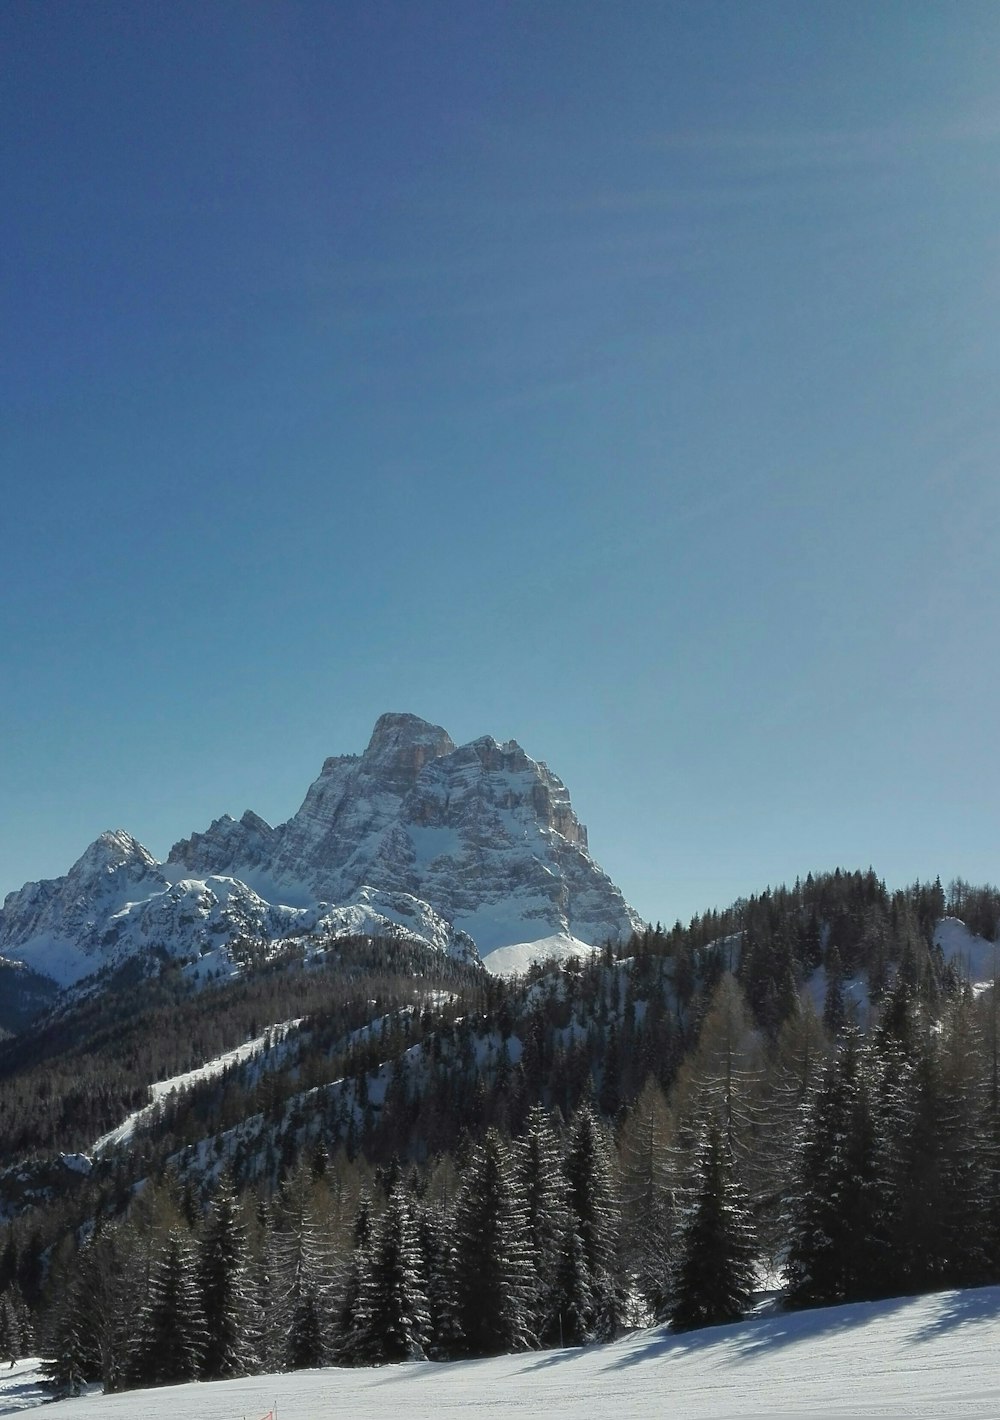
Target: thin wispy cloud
x,y
829,147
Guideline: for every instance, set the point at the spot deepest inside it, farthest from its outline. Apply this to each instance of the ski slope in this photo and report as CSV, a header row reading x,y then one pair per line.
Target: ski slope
x,y
268,1042
926,1356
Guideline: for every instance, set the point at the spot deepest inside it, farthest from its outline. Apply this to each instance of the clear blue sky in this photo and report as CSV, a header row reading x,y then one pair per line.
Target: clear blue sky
x,y
623,379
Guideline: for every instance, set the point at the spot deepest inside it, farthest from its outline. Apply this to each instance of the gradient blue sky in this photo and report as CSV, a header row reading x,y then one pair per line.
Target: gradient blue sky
x,y
620,378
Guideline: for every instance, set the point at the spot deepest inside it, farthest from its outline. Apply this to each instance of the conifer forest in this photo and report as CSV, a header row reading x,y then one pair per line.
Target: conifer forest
x,y
799,1095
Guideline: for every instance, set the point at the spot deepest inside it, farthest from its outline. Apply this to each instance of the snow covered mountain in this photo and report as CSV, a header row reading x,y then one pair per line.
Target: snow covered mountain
x,y
459,847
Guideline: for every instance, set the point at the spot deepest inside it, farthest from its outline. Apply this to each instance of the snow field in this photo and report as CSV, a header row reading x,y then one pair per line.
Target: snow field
x,y
936,1355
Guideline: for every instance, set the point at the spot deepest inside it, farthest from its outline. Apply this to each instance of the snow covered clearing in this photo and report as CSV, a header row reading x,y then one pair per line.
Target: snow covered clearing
x,y
919,1356
978,960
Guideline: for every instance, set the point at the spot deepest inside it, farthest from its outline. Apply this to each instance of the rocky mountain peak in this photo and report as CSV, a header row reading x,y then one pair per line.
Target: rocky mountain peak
x,y
477,842
112,850
402,744
223,845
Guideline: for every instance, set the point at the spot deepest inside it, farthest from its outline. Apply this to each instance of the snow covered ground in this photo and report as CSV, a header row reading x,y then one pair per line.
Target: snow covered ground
x,y
920,1356
978,959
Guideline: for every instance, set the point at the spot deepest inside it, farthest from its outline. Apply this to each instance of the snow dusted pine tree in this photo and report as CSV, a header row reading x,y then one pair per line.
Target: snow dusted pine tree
x,y
838,1242
305,1279
593,1206
300,1270
571,1298
715,1271
170,1336
10,1346
434,1233
67,1372
493,1282
393,1301
542,1187
225,1289
351,1332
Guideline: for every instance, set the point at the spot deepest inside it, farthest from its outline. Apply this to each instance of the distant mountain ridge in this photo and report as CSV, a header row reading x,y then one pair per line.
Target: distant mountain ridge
x,y
460,847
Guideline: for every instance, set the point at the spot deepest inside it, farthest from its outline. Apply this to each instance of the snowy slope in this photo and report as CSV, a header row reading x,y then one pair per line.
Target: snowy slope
x,y
977,959
933,1356
507,961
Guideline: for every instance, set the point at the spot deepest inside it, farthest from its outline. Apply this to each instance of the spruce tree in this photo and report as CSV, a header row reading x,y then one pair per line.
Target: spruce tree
x,y
434,1232
572,1299
67,1372
594,1209
225,1289
304,1280
542,1187
305,1342
170,1338
10,1339
969,1163
493,1282
299,1278
834,1008
393,1301
838,1248
715,1271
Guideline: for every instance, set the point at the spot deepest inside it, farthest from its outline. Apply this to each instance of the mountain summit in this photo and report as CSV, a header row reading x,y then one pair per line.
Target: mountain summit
x,y
416,836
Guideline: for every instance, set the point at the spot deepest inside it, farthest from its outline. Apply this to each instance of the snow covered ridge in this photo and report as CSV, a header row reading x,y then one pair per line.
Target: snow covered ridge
x,y
458,847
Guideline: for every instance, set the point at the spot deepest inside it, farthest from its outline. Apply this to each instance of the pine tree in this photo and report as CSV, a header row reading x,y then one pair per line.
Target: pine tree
x,y
299,1277
102,1270
170,1338
67,1372
225,1289
351,1331
434,1232
594,1210
838,1249
542,1187
10,1338
393,1301
303,1276
788,1088
834,1008
493,1282
8,1261
945,1183
715,1272
572,1299
305,1343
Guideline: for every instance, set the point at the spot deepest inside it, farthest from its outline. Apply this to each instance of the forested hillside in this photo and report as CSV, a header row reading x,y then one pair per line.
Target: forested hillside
x,y
802,1091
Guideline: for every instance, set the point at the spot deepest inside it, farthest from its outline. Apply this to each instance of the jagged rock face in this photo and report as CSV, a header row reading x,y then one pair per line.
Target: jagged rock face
x,y
481,832
459,847
225,841
67,917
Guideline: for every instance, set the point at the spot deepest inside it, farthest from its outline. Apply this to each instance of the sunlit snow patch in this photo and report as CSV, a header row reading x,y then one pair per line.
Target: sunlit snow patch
x,y
505,961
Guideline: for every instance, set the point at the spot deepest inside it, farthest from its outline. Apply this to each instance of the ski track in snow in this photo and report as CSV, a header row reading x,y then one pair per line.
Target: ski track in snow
x,y
160,1089
912,1357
